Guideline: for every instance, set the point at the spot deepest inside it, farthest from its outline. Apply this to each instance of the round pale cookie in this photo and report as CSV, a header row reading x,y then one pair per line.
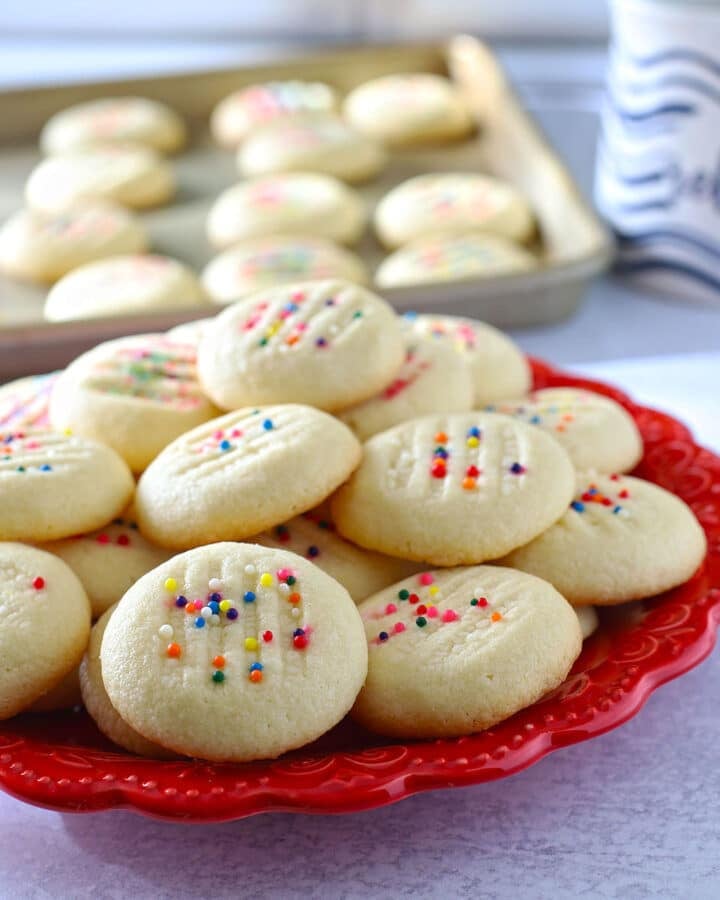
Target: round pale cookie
x,y
123,285
498,366
44,625
440,258
325,343
452,203
245,110
189,332
44,247
432,379
25,402
319,143
621,539
588,619
109,560
302,203
313,536
596,431
54,486
454,490
121,173
135,394
271,657
65,695
136,119
269,261
453,652
98,705
402,110
242,473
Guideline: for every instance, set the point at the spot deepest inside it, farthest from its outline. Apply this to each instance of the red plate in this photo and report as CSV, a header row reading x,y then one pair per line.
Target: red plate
x,y
62,761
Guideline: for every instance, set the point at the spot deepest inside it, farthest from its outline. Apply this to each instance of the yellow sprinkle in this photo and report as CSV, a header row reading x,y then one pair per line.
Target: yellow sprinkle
x,y
225,605
434,589
170,584
473,442
266,579
67,432
251,644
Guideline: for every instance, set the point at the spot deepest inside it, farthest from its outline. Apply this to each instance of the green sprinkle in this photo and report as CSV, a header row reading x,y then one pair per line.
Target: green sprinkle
x,y
262,342
291,579
218,677
474,602
358,314
403,594
421,621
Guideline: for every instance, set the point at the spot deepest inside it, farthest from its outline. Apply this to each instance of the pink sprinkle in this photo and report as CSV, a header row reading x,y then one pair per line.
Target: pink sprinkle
x,y
297,296
301,326
285,313
390,608
449,616
236,432
219,434
32,445
199,604
283,574
426,578
432,612
399,627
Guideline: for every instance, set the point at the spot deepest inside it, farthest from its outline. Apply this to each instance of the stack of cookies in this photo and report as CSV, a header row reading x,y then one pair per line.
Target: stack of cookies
x,y
309,506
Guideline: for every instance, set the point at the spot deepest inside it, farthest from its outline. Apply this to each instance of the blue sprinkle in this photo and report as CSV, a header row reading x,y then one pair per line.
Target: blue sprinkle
x,y
214,606
490,408
249,597
215,597
46,467
410,315
330,302
292,307
474,431
298,632
180,601
313,551
535,420
199,622
441,453
321,342
592,491
268,425
256,667
383,636
225,445
578,506
617,509
516,468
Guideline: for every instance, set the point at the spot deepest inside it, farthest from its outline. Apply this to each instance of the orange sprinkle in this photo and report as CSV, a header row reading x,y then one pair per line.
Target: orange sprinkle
x,y
568,417
441,438
496,616
173,650
294,597
293,339
256,675
559,428
469,483
190,608
219,662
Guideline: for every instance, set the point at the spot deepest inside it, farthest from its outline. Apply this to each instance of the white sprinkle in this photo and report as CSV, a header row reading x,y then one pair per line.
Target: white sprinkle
x,y
249,569
165,631
206,612
214,619
284,588
214,584
295,612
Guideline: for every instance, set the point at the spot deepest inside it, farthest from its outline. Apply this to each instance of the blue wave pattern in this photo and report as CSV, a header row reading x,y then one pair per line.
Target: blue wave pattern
x,y
634,267
669,235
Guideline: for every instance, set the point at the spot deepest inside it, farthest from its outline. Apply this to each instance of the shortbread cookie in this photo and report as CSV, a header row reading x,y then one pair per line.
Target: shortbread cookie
x,y
596,431
25,402
44,624
189,332
621,539
498,366
126,174
317,143
243,473
325,343
109,560
588,619
135,394
269,656
41,247
237,115
441,258
136,119
454,490
65,695
269,261
313,535
122,286
452,203
432,379
53,486
402,110
98,704
453,652
302,203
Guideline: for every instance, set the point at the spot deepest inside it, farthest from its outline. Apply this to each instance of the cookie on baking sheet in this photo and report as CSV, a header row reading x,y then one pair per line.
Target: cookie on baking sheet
x,y
313,535
234,652
44,624
432,379
440,258
126,174
41,247
452,652
25,402
121,286
452,203
242,111
402,110
325,343
454,489
596,431
53,486
498,366
135,394
65,695
299,203
276,260
621,539
98,705
311,143
136,119
189,332
588,619
242,473
109,560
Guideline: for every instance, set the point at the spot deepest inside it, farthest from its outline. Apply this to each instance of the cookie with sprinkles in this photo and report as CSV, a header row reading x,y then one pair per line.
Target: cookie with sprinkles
x,y
25,402
234,652
43,248
44,625
454,489
275,260
455,651
596,431
498,366
241,112
242,473
452,203
329,344
433,378
135,394
620,539
54,485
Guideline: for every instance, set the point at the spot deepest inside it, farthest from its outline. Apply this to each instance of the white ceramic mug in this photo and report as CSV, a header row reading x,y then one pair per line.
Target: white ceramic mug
x,y
658,170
